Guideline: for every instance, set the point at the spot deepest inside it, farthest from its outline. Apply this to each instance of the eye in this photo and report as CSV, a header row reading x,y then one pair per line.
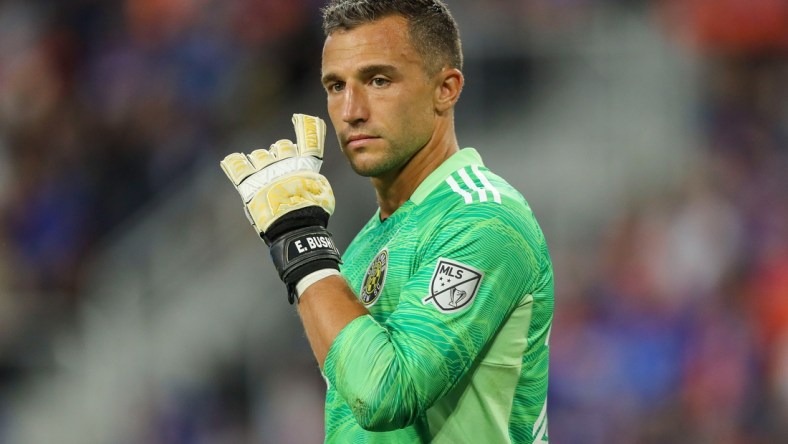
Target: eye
x,y
335,87
380,82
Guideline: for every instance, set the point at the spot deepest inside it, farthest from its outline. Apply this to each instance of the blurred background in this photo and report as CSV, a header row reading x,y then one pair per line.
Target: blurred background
x,y
137,306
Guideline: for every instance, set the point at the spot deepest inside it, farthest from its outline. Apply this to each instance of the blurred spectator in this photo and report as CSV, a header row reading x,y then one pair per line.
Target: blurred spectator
x,y
729,26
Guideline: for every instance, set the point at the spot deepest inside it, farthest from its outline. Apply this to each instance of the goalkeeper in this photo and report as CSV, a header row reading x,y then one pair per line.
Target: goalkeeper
x,y
434,325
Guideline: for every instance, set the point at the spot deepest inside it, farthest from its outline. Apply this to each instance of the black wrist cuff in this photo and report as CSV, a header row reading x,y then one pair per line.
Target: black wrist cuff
x,y
312,216
300,252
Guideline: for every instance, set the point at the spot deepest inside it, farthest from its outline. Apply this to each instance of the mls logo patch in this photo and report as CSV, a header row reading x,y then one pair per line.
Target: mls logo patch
x,y
453,286
372,285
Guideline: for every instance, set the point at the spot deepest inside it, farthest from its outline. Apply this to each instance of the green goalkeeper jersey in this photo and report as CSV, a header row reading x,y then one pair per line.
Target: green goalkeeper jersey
x,y
459,286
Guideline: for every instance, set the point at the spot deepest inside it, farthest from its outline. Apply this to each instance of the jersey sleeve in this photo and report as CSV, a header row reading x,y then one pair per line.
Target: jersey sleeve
x,y
472,271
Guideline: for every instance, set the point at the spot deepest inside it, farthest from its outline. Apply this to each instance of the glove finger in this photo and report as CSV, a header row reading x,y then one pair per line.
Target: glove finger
x,y
283,149
261,158
310,134
237,167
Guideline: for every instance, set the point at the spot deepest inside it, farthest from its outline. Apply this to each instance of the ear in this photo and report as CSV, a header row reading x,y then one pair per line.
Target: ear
x,y
449,82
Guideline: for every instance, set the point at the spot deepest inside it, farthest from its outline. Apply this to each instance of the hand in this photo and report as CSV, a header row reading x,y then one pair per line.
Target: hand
x,y
288,201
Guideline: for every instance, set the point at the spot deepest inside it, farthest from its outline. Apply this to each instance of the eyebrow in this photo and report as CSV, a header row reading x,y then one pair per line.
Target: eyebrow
x,y
364,71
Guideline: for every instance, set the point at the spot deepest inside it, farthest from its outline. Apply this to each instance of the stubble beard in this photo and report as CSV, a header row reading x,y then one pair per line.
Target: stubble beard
x,y
390,161
374,168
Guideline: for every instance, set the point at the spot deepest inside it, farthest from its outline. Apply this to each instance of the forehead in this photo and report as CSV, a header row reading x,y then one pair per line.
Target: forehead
x,y
384,41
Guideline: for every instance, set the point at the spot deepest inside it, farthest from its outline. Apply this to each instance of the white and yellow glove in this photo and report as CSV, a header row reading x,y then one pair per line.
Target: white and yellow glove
x,y
288,201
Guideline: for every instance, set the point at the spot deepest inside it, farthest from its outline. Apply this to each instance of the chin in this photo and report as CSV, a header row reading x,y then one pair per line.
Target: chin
x,y
361,163
364,170
369,164
369,169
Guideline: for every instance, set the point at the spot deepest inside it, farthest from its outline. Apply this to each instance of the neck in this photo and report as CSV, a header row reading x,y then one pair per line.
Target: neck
x,y
395,189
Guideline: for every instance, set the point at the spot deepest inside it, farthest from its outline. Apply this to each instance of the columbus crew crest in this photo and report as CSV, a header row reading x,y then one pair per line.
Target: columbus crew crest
x,y
374,279
453,286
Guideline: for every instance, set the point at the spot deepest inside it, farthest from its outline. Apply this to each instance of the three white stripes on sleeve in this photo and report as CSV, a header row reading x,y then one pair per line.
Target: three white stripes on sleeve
x,y
471,185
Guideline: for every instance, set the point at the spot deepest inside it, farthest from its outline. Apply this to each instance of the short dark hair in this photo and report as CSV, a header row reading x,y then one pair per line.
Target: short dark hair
x,y
431,27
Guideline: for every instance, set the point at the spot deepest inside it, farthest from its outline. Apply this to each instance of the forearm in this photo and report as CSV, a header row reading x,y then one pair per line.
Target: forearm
x,y
326,307
375,377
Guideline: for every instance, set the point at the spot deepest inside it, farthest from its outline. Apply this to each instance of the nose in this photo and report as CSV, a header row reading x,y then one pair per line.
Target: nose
x,y
356,106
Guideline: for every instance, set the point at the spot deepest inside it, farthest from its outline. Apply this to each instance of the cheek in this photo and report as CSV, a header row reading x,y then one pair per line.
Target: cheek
x,y
332,105
416,117
334,109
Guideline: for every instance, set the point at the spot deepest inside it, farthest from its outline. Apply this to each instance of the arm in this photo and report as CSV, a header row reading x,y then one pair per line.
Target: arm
x,y
326,307
288,204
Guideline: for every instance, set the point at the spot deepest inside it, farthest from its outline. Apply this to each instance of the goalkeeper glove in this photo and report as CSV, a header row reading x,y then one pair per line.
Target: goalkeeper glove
x,y
288,202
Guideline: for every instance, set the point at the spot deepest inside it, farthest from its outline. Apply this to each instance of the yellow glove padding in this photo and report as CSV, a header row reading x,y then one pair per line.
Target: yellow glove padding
x,y
283,178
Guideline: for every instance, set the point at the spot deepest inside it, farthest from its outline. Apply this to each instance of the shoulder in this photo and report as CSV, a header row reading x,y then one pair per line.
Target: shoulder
x,y
477,219
472,194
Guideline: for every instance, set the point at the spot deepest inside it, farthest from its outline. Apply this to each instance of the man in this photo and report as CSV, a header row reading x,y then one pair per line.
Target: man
x,y
437,328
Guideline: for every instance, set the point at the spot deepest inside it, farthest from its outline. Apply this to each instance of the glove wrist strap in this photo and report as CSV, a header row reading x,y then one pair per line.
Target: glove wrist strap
x,y
311,216
301,252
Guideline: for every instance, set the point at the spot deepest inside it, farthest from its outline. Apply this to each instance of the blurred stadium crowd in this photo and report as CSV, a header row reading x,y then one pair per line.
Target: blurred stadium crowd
x,y
104,104
676,327
671,323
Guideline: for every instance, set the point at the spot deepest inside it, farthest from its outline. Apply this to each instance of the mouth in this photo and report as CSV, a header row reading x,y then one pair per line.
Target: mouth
x,y
358,140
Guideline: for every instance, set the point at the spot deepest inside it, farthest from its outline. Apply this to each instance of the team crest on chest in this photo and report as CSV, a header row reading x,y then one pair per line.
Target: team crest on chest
x,y
453,286
375,278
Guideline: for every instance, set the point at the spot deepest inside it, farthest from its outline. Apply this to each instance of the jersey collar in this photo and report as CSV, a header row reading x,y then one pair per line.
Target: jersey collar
x,y
464,157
